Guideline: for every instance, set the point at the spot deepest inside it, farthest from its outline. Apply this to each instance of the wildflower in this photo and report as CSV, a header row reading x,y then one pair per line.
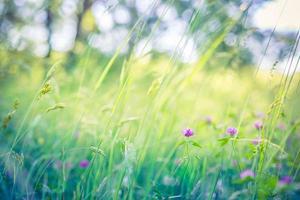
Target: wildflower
x,y
256,141
231,131
258,125
84,163
68,165
281,126
208,119
58,164
285,180
260,115
188,132
247,173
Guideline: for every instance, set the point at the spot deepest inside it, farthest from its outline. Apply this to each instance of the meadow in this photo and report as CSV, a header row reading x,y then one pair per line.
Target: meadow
x,y
65,137
144,127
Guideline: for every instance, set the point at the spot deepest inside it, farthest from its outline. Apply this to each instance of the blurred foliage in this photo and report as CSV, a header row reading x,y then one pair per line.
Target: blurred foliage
x,y
37,28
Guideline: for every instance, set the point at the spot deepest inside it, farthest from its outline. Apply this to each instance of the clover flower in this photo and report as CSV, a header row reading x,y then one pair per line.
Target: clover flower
x,y
58,164
84,163
188,132
260,115
231,131
281,126
208,120
258,125
256,141
285,180
247,173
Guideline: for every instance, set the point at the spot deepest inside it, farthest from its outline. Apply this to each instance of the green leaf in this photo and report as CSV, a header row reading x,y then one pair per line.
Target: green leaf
x,y
224,141
181,143
196,144
244,180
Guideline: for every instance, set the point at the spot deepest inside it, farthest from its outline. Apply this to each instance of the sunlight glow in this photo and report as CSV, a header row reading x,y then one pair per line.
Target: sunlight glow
x,y
268,14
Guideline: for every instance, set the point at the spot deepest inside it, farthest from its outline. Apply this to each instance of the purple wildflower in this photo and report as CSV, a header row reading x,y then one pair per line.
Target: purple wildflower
x,y
260,115
281,126
58,164
208,119
285,180
256,141
68,165
84,163
258,125
247,173
188,132
231,131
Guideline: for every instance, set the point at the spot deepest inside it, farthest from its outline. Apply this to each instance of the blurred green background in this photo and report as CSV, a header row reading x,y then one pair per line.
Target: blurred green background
x,y
94,95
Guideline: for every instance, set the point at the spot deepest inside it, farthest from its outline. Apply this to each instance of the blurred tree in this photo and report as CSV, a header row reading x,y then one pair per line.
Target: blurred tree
x,y
70,21
83,7
48,25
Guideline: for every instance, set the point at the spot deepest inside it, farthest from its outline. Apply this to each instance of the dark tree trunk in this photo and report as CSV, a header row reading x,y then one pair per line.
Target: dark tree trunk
x,y
49,20
86,5
79,33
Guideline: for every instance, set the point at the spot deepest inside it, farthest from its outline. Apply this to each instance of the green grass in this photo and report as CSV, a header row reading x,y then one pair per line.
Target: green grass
x,y
130,131
126,116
